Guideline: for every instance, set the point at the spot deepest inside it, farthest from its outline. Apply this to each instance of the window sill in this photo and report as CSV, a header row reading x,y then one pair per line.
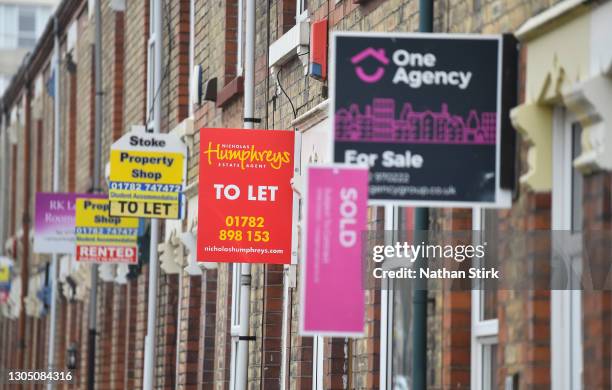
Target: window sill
x,y
232,89
287,46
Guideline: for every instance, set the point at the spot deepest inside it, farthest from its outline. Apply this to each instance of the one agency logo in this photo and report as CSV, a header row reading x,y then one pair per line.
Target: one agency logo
x,y
377,54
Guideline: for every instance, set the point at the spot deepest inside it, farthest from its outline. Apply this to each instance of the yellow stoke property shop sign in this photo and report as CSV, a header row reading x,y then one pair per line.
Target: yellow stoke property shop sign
x,y
147,176
101,238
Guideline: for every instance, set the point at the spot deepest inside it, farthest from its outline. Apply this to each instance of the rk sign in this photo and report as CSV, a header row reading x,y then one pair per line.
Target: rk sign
x,y
54,222
424,112
245,197
147,176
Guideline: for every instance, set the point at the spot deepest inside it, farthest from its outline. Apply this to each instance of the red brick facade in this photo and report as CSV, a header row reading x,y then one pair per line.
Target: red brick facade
x,y
193,334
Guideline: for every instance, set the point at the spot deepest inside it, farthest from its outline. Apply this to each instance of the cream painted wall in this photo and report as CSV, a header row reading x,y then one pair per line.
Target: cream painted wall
x,y
601,40
567,49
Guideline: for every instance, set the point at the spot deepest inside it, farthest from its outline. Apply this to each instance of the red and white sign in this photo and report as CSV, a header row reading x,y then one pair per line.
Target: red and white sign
x,y
108,254
245,205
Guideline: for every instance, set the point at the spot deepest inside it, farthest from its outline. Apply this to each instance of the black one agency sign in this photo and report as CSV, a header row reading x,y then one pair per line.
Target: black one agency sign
x,y
423,111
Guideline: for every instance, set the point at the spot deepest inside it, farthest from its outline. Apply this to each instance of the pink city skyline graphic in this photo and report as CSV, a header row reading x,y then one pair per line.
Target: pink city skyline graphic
x,y
378,123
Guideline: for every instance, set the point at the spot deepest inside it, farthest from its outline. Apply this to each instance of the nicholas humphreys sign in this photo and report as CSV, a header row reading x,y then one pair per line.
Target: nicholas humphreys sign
x,y
245,199
423,111
147,176
102,238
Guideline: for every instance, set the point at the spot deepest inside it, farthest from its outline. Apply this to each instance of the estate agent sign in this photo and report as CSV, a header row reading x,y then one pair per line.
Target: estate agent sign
x,y
147,175
6,266
332,293
101,238
423,111
54,222
245,204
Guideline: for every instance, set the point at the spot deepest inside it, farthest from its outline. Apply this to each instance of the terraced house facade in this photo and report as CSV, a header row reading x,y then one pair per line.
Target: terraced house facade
x,y
499,338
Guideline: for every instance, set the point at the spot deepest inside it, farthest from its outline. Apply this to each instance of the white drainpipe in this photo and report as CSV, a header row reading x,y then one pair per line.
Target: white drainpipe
x,y
150,339
56,173
239,380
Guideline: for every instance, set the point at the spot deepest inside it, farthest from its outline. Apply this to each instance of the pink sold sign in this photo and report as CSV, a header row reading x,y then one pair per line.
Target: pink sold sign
x,y
333,300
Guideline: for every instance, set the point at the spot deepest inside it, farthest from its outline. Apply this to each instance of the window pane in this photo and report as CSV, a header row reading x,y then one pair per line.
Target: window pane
x,y
26,42
489,286
576,179
8,26
27,20
27,27
489,366
402,331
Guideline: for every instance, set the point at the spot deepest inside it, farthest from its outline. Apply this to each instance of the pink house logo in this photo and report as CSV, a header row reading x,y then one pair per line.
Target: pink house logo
x,y
377,54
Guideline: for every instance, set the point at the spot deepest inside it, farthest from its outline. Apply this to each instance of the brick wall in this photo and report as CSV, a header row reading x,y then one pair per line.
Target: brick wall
x,y
208,322
119,341
175,88
189,333
105,333
141,326
112,78
85,96
455,333
203,348
167,306
524,319
83,346
597,304
135,62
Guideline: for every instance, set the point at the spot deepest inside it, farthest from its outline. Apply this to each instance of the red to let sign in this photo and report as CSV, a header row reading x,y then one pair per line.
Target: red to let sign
x,y
245,205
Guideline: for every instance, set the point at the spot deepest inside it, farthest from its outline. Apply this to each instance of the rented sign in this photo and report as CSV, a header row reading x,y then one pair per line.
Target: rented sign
x,y
245,196
147,176
101,238
332,296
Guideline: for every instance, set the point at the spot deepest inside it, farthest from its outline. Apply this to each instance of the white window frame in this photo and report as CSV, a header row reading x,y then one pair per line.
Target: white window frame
x,y
301,11
566,305
318,359
293,43
235,321
484,332
387,291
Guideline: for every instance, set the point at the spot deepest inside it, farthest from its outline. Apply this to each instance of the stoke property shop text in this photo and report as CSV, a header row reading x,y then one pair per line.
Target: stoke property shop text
x,y
144,161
